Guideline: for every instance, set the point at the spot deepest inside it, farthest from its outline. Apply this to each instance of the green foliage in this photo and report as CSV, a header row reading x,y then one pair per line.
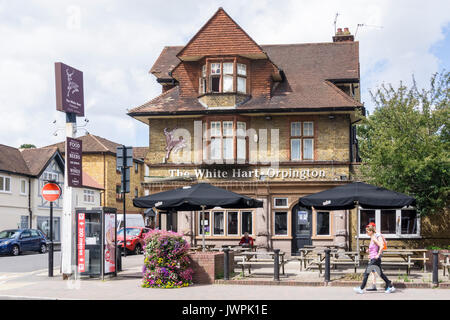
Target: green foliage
x,y
27,146
404,144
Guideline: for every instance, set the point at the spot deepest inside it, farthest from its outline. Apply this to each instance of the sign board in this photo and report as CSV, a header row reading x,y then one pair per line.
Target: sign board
x,y
81,242
74,162
125,181
51,192
69,89
120,152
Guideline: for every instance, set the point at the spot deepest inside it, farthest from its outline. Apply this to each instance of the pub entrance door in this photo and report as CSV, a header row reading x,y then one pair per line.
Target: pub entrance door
x,y
301,228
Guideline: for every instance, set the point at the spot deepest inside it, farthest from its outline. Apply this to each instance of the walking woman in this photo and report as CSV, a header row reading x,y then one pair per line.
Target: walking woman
x,y
375,251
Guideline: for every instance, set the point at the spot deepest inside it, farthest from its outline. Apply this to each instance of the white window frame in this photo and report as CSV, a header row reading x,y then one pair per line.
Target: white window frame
x,y
303,149
212,230
287,223
87,195
397,235
329,223
24,193
252,214
2,187
238,223
277,198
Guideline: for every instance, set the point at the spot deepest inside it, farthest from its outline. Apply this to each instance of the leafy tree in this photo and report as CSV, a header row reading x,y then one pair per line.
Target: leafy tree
x,y
27,146
405,145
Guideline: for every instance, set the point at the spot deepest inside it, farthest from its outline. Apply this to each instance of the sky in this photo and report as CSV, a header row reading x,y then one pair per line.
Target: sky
x,y
115,43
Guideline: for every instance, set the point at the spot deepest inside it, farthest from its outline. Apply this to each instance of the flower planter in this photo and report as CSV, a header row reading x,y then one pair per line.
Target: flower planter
x,y
209,266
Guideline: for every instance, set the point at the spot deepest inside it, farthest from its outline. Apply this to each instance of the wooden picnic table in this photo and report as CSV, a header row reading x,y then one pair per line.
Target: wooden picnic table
x,y
405,254
250,258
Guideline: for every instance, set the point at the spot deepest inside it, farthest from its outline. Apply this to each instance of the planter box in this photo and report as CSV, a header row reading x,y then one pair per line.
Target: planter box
x,y
209,266
429,255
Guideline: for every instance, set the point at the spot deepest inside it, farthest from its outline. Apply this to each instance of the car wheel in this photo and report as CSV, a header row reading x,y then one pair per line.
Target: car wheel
x,y
138,249
43,248
15,251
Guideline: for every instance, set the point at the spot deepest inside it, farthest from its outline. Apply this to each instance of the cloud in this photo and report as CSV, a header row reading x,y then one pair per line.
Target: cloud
x,y
115,43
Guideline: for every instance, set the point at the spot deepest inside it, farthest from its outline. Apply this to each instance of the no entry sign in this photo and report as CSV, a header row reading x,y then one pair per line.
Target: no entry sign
x,y
51,192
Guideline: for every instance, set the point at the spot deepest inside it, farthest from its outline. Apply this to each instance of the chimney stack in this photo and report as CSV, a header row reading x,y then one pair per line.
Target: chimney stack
x,y
343,36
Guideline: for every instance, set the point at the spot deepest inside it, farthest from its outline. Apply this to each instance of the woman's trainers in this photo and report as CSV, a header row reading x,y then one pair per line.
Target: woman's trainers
x,y
358,290
390,290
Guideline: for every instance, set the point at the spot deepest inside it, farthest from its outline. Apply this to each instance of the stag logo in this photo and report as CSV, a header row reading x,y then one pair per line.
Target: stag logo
x,y
172,144
72,87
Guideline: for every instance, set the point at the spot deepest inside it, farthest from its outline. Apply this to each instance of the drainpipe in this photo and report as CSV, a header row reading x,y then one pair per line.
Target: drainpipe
x,y
29,203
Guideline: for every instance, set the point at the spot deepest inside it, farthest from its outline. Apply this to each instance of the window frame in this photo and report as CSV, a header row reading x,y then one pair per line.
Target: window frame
x,y
281,207
301,138
213,233
24,193
226,213
208,136
3,186
88,194
317,224
398,234
206,75
275,212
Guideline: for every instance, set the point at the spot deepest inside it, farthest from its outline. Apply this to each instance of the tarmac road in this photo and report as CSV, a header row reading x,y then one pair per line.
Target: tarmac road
x,y
28,262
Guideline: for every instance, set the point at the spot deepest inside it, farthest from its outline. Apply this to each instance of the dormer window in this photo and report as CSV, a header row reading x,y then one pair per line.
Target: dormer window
x,y
223,77
214,83
241,78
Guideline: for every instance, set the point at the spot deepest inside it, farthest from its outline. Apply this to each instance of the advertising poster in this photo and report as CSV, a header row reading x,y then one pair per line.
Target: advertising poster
x,y
81,242
110,254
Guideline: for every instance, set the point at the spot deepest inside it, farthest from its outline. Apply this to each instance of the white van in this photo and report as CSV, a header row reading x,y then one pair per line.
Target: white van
x,y
133,220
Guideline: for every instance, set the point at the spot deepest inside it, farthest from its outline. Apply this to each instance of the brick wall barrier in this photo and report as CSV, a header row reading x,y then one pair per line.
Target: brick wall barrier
x,y
208,266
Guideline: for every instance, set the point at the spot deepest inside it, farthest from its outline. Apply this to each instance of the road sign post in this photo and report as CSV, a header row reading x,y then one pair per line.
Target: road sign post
x,y
51,192
124,160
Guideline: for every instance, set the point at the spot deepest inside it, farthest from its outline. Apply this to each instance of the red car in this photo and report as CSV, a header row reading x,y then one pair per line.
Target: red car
x,y
135,239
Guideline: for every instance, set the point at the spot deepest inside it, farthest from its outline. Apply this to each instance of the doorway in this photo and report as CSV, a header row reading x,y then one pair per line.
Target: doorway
x,y
301,228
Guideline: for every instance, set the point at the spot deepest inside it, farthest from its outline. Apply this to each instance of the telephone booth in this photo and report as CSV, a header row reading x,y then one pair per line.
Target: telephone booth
x,y
96,242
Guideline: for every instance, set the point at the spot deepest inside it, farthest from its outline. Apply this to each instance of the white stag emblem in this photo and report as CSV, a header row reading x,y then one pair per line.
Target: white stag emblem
x,y
172,144
72,87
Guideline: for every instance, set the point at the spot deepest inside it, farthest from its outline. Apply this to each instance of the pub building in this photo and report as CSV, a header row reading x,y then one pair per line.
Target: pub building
x,y
274,122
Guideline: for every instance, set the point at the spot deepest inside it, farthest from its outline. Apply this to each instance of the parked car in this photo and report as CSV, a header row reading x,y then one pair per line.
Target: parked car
x,y
15,241
135,239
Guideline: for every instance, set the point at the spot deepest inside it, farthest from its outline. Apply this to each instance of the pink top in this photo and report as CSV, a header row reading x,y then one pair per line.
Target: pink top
x,y
373,250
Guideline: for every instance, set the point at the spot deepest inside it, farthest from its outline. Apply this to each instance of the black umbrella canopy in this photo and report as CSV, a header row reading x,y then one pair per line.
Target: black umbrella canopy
x,y
192,198
366,195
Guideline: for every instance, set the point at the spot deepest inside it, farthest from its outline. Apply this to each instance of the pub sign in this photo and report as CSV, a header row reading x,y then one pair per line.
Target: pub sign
x,y
69,89
74,162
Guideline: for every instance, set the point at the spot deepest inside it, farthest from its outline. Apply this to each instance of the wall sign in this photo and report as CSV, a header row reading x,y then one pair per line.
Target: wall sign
x,y
69,89
74,162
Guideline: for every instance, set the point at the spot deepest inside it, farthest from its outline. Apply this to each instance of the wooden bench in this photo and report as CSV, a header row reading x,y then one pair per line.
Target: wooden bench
x,y
334,263
399,263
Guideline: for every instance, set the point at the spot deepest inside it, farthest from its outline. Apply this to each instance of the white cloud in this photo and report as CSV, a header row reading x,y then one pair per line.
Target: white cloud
x,y
115,43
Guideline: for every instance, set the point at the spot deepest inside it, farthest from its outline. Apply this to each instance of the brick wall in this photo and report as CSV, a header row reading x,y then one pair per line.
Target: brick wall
x,y
208,266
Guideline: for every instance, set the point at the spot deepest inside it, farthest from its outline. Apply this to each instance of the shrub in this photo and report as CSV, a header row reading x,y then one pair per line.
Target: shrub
x,y
166,263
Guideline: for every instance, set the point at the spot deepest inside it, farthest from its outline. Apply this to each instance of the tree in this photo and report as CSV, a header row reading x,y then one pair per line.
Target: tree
x,y
27,146
404,144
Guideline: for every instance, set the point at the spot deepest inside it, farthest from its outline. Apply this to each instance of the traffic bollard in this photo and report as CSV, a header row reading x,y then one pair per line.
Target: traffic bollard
x,y
276,265
435,267
226,264
327,265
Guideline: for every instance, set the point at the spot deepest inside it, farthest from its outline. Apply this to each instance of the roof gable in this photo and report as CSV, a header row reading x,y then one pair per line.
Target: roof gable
x,y
221,35
38,159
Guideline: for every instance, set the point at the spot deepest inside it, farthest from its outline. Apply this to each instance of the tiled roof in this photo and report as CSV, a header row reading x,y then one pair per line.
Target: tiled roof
x,y
166,62
140,152
89,182
37,159
11,160
307,67
93,144
30,162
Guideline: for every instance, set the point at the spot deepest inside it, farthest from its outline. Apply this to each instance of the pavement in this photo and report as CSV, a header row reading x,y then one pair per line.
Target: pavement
x,y
37,285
